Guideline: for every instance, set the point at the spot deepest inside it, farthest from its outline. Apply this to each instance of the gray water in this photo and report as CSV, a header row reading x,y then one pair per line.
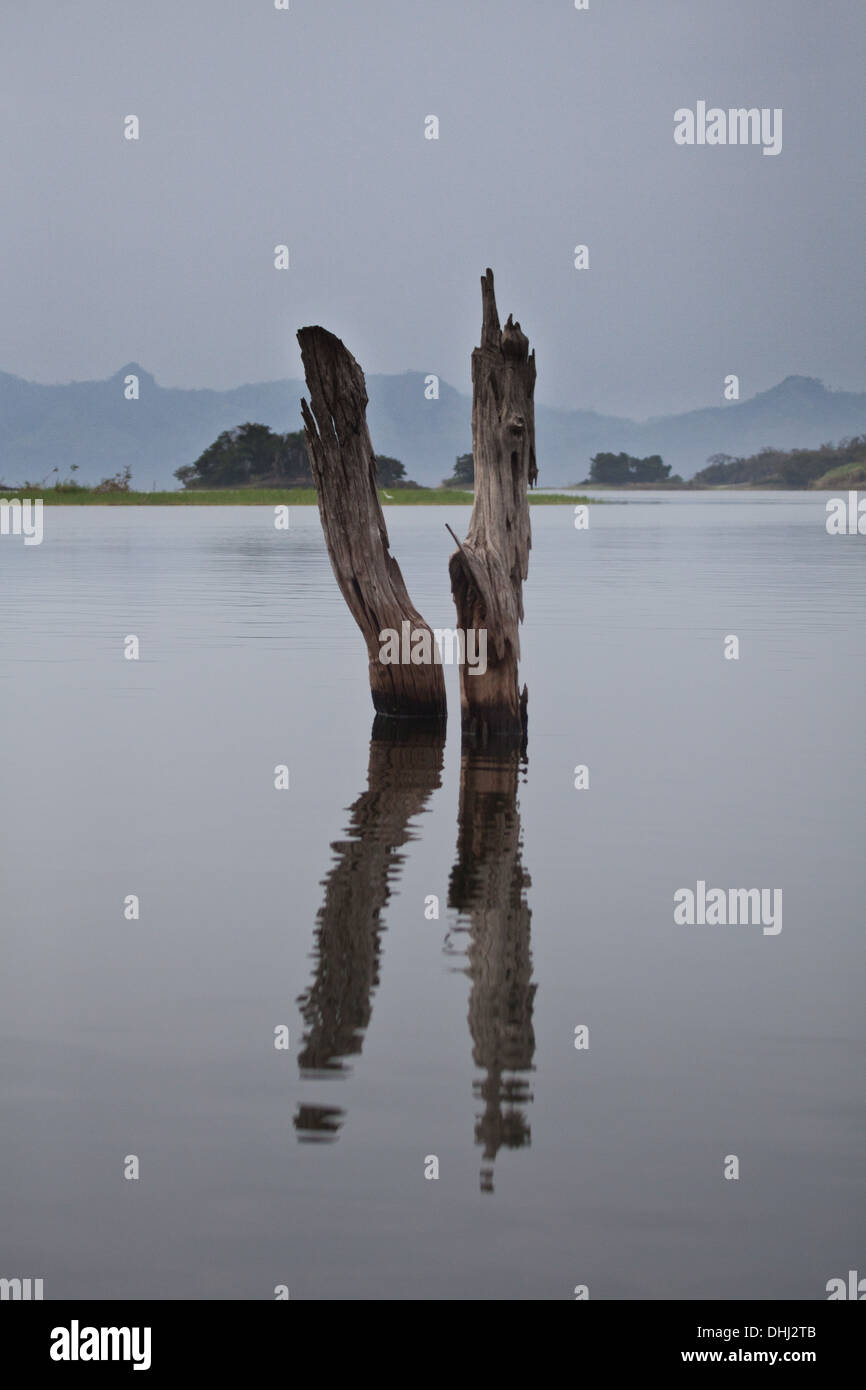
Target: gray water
x,y
411,1036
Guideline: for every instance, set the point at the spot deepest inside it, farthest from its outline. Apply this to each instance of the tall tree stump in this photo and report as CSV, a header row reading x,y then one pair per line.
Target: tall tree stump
x,y
344,471
488,569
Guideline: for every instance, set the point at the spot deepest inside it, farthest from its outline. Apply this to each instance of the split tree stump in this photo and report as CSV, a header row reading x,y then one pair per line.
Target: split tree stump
x,y
344,470
488,569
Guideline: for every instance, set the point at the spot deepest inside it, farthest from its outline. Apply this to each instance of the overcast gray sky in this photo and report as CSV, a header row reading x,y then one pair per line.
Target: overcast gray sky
x,y
261,127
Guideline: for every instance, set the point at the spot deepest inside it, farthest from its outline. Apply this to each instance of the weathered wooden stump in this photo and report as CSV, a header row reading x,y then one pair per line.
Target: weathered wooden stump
x,y
344,471
488,569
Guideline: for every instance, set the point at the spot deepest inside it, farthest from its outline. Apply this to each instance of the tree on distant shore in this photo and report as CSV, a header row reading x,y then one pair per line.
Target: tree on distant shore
x,y
256,456
250,456
390,472
618,469
464,472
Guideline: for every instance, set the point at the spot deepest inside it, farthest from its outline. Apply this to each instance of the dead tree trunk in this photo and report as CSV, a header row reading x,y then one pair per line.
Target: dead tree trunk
x,y
487,571
344,470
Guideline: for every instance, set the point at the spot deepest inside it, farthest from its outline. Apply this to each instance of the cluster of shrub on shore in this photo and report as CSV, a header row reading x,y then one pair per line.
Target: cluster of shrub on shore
x,y
120,483
828,466
256,456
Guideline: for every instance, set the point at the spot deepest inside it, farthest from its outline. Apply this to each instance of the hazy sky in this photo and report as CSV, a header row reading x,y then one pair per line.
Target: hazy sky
x,y
261,127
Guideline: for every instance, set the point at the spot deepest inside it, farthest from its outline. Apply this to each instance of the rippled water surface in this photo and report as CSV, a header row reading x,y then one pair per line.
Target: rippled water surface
x,y
412,1035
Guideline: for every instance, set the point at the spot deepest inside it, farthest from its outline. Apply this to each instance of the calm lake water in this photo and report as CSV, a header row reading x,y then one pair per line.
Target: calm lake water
x,y
412,1036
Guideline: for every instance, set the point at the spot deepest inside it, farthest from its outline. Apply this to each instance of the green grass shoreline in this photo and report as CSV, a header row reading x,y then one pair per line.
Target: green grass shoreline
x,y
258,497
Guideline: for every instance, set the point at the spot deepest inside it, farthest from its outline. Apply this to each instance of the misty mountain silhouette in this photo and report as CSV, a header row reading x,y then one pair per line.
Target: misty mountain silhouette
x,y
91,424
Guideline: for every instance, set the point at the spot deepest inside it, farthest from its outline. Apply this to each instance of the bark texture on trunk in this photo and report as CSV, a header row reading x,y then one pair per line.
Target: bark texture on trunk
x,y
488,569
344,471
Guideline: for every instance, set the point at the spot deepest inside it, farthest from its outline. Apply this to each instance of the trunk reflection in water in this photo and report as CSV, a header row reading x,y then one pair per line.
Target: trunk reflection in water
x,y
487,889
405,767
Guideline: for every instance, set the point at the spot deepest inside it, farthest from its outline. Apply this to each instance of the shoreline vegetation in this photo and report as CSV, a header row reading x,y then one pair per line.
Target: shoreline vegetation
x,y
253,466
830,466
830,482
65,496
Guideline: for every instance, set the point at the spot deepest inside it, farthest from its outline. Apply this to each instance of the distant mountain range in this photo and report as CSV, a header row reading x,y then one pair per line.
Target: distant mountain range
x,y
91,424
